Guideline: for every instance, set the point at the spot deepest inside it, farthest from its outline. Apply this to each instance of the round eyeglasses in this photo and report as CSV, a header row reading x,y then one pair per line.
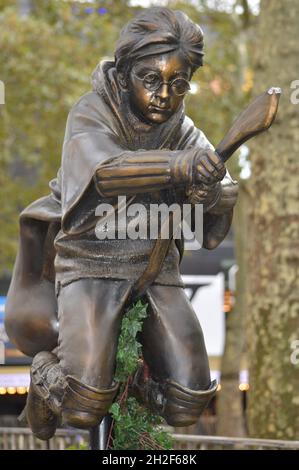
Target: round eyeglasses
x,y
152,82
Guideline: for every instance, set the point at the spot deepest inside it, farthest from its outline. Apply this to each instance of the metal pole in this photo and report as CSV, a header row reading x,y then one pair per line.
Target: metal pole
x,y
94,438
98,435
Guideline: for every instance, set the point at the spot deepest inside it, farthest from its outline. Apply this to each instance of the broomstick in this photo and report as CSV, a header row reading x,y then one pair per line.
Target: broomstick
x,y
256,118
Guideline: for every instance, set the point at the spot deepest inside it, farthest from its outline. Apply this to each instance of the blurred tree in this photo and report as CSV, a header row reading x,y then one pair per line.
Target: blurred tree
x,y
274,233
46,61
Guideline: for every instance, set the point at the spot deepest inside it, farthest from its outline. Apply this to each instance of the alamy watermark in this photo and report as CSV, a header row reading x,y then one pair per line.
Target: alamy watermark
x,y
3,340
295,94
2,93
295,352
2,352
138,221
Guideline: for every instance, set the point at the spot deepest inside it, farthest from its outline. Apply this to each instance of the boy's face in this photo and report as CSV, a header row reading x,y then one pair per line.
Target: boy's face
x,y
157,86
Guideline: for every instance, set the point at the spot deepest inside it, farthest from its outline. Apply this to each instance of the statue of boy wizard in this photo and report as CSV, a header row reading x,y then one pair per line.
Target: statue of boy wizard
x,y
129,136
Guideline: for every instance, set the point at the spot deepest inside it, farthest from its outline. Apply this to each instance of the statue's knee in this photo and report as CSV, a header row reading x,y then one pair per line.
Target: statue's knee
x,y
31,331
85,406
31,317
183,406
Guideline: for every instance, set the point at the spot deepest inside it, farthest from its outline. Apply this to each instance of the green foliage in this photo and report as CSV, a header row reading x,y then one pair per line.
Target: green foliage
x,y
135,427
129,349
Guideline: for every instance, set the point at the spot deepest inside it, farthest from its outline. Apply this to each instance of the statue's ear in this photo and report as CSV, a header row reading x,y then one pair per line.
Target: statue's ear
x,y
122,80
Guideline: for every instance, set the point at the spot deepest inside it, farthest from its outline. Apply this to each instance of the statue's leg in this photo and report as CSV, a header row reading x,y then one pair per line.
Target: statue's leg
x,y
174,349
77,384
31,304
90,313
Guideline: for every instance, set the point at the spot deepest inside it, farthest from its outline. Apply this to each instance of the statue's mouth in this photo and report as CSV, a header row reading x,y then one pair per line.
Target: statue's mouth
x,y
158,109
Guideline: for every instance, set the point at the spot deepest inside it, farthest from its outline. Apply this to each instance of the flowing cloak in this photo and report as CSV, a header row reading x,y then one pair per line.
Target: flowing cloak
x,y
100,126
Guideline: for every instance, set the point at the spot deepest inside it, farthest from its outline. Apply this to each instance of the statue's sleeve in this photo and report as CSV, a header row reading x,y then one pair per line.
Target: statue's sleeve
x,y
144,171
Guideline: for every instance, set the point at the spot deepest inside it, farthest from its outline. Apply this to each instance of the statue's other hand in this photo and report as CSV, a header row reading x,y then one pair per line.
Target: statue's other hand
x,y
204,194
229,196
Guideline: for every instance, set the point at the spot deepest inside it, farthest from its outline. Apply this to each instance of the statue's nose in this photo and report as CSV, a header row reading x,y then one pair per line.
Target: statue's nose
x,y
163,91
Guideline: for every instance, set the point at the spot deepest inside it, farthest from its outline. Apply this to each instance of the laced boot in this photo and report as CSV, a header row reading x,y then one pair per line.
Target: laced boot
x,y
46,390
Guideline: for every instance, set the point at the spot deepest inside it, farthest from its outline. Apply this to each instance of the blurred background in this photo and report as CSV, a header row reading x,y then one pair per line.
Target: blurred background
x,y
246,292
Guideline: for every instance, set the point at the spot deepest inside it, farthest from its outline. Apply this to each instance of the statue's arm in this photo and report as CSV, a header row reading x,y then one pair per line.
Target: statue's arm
x,y
145,171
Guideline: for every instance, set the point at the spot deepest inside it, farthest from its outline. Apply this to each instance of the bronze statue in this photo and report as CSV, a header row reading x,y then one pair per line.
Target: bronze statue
x,y
129,136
